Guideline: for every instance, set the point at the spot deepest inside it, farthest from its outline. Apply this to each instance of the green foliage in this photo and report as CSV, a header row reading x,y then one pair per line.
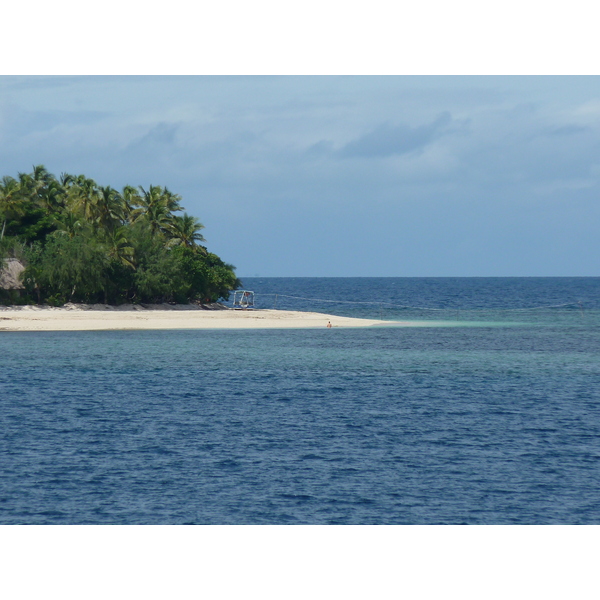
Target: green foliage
x,y
68,269
209,277
82,242
11,247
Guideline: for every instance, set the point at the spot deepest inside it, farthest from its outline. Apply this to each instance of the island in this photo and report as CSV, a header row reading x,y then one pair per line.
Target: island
x,y
75,255
69,239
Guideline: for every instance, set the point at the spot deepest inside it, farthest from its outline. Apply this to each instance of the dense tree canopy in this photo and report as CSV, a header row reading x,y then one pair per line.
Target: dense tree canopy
x,y
81,242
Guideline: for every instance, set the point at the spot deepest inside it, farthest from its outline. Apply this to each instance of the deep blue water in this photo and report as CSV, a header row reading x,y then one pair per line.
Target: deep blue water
x,y
488,416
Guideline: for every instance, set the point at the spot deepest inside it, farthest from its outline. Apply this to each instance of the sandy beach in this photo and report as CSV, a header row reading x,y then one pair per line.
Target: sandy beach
x,y
101,317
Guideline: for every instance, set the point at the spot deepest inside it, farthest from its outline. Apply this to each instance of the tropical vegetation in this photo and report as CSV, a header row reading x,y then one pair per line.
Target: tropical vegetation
x,y
82,242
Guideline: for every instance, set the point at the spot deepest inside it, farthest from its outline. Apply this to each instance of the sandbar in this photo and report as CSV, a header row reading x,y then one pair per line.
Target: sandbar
x,y
101,317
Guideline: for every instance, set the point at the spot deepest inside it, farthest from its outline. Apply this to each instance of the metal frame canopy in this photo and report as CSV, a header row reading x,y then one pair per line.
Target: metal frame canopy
x,y
243,299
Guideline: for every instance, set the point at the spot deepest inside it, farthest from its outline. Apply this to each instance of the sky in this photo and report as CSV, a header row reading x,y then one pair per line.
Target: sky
x,y
339,175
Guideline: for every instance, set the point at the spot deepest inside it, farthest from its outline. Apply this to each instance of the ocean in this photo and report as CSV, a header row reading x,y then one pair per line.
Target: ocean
x,y
488,412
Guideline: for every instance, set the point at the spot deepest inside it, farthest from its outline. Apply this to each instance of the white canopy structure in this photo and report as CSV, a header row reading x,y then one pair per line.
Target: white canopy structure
x,y
243,299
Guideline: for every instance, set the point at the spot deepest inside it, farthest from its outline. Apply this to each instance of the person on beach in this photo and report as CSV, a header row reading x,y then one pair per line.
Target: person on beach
x,y
328,324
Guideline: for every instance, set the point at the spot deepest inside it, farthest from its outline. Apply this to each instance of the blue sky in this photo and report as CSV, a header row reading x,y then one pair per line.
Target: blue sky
x,y
339,175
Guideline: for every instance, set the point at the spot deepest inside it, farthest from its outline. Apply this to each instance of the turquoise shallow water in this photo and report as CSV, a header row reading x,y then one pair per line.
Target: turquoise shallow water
x,y
490,423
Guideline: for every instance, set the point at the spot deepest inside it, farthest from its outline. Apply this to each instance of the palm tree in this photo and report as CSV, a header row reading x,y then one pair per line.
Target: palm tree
x,y
68,223
52,196
33,183
172,200
153,209
66,179
41,175
110,208
11,200
118,246
131,200
186,230
84,196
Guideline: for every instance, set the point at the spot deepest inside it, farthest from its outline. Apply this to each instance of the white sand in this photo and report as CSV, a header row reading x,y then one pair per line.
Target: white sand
x,y
78,318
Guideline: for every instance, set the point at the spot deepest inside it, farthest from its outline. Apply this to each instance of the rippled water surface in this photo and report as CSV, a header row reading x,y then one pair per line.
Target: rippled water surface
x,y
497,422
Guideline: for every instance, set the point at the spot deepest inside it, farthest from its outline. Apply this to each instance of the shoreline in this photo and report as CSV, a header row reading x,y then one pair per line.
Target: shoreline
x,y
136,317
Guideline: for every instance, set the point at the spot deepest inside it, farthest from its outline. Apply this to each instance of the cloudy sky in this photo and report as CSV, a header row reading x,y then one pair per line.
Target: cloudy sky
x,y
339,175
